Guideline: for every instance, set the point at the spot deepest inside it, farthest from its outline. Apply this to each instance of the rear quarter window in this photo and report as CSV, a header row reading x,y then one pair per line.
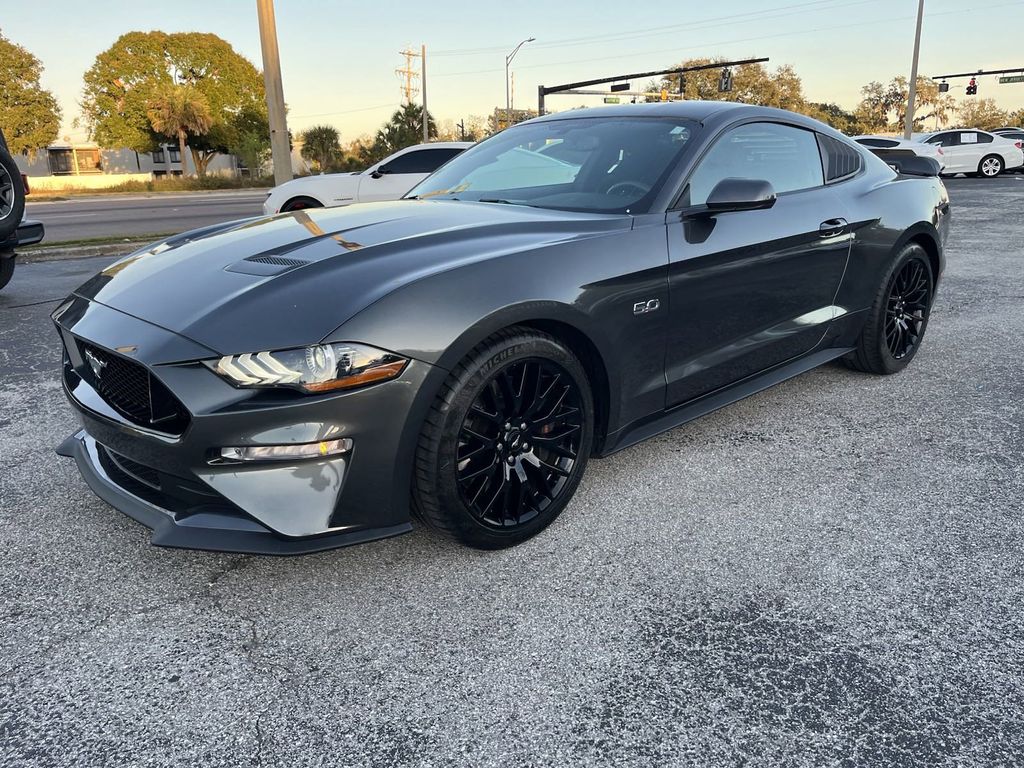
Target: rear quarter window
x,y
839,159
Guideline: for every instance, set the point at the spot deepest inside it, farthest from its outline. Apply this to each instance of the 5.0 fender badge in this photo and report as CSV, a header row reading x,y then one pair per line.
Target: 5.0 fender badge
x,y
645,307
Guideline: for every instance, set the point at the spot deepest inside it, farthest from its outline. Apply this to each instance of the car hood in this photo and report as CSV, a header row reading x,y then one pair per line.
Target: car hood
x,y
290,280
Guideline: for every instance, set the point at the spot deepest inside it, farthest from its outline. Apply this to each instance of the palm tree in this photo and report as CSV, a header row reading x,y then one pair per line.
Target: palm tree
x,y
180,111
320,144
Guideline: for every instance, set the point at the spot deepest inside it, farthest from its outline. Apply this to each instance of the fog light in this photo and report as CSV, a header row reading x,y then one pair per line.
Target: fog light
x,y
287,452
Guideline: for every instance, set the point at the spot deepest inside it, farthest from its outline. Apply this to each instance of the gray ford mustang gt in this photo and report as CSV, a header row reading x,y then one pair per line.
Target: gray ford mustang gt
x,y
562,290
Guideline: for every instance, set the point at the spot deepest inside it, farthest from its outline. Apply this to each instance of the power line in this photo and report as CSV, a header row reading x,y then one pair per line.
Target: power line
x,y
716,21
389,105
704,46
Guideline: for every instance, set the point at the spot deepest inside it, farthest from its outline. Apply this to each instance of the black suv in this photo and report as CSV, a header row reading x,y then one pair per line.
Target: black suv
x,y
15,230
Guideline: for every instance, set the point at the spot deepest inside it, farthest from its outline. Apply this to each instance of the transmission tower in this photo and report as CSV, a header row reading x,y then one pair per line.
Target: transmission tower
x,y
408,74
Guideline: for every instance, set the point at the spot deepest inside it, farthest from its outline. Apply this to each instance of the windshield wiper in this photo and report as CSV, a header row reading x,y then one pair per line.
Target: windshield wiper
x,y
504,202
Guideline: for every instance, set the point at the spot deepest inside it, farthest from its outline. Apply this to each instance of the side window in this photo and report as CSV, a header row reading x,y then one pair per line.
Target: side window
x,y
984,138
785,156
422,160
943,140
967,138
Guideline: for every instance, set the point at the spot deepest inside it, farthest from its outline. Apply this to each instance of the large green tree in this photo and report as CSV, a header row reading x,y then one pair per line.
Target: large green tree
x,y
751,84
973,112
29,114
127,77
883,106
180,112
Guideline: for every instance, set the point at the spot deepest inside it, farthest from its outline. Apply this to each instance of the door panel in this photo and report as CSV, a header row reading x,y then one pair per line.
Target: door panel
x,y
390,186
751,289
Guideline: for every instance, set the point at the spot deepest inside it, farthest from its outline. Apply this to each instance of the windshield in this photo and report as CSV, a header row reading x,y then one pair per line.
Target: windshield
x,y
599,165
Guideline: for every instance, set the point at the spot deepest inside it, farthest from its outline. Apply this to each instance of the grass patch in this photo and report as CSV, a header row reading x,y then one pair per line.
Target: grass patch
x,y
162,184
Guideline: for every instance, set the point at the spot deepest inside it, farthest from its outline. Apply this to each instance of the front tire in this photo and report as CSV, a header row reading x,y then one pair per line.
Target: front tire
x,y
898,316
506,442
12,195
990,166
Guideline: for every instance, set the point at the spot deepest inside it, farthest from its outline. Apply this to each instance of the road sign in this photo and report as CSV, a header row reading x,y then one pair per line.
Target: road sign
x,y
611,99
1012,79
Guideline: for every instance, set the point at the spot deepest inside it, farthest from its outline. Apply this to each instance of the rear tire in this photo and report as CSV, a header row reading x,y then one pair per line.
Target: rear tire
x,y
6,271
990,166
12,195
898,316
506,442
300,204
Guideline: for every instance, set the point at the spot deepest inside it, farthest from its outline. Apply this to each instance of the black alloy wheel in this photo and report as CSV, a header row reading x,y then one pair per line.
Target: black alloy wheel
x,y
506,442
907,308
519,443
898,317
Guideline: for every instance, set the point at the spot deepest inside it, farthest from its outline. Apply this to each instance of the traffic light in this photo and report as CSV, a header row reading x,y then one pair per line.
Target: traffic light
x,y
943,87
972,87
664,94
725,81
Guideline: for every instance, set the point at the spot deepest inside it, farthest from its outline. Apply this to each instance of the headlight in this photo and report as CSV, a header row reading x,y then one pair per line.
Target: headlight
x,y
320,368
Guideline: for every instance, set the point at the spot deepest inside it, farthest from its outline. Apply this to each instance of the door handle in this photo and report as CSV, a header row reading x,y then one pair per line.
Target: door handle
x,y
832,227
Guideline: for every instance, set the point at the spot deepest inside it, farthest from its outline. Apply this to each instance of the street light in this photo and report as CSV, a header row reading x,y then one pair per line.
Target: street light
x,y
508,92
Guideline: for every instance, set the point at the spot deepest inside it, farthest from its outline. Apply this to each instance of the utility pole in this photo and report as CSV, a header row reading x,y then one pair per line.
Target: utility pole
x,y
462,129
408,74
275,93
423,85
908,125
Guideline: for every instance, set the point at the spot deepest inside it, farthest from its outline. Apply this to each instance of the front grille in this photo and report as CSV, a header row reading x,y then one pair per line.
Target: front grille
x,y
132,390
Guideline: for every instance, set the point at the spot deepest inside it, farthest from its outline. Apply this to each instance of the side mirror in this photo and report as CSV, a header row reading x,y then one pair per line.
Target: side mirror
x,y
734,194
381,171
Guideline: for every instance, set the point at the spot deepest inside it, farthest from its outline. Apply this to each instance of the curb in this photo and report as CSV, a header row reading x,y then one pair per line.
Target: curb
x,y
58,253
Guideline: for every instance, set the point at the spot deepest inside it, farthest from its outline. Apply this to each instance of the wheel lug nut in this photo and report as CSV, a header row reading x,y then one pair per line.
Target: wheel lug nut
x,y
511,460
526,446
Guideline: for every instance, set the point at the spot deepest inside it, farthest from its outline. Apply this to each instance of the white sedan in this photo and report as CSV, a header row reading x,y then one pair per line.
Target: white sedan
x,y
389,179
975,152
890,146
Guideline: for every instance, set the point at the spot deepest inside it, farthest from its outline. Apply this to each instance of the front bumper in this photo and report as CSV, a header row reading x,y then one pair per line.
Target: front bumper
x,y
172,483
29,232
210,528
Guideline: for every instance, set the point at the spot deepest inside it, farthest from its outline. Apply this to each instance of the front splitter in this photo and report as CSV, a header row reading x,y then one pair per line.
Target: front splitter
x,y
206,531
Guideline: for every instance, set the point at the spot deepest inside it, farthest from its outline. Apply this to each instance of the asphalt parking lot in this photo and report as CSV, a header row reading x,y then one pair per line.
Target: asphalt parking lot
x,y
828,573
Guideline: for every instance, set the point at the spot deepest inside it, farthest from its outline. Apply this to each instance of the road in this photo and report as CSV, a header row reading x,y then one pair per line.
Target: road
x,y
827,573
125,216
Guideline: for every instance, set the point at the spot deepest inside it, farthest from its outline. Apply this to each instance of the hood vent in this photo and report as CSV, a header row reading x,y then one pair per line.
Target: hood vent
x,y
263,266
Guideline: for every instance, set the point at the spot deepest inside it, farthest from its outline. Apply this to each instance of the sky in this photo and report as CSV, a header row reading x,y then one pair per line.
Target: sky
x,y
338,58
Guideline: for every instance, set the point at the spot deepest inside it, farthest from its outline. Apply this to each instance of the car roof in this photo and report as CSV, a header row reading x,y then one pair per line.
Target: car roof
x,y
698,111
441,145
690,110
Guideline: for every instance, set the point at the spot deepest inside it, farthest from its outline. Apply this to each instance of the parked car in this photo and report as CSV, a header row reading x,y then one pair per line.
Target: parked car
x,y
1008,129
296,383
1013,134
15,229
389,179
891,147
975,152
